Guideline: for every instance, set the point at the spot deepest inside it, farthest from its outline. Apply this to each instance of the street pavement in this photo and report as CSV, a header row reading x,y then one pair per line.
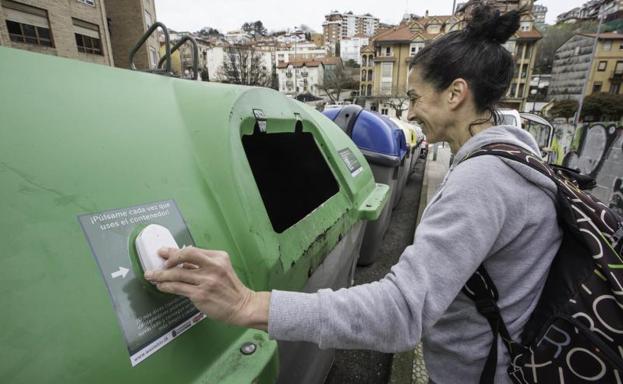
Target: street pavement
x,y
369,366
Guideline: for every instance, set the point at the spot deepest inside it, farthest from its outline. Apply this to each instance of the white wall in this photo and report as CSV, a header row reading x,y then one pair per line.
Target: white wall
x,y
351,48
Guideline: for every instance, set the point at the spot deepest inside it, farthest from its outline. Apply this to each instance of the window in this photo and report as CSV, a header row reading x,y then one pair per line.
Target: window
x,y
619,68
369,90
388,51
369,75
148,21
386,78
88,2
153,57
27,24
384,111
87,37
621,46
607,45
434,28
602,66
415,48
597,87
615,88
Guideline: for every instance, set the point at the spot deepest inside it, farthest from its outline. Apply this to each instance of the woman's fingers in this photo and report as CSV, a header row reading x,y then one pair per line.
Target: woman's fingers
x,y
177,288
175,256
187,276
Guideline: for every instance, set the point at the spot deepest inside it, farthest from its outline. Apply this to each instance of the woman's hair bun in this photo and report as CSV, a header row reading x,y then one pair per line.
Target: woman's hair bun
x,y
487,23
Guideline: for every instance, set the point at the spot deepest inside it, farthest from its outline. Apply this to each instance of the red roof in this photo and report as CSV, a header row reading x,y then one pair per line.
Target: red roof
x,y
534,34
402,33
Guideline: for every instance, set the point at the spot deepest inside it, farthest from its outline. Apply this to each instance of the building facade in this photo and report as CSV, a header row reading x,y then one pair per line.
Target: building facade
x,y
366,80
393,49
129,19
74,29
338,26
297,77
591,10
350,48
540,13
298,51
575,64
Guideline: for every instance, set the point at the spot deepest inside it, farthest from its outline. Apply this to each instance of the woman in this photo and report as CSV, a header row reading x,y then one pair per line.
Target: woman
x,y
488,210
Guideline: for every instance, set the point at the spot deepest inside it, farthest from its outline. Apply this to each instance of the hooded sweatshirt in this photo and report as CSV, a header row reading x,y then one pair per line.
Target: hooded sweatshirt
x,y
487,210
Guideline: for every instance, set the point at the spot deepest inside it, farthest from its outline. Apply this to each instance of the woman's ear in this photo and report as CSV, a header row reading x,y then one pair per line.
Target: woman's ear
x,y
458,92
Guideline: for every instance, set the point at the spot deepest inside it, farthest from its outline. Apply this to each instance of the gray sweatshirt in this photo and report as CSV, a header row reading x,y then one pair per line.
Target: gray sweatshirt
x,y
489,210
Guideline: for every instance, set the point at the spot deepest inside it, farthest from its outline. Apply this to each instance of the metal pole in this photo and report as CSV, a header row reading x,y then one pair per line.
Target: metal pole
x,y
453,7
590,69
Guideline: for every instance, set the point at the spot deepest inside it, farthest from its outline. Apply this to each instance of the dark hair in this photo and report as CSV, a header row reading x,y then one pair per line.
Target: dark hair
x,y
474,54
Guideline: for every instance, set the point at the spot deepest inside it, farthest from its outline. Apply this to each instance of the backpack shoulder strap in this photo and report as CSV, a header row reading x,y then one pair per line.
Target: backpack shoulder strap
x,y
516,153
481,289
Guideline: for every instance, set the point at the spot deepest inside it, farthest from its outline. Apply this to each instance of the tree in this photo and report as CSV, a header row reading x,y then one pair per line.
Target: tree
x,y
255,28
208,32
336,80
564,108
243,64
603,106
398,102
351,63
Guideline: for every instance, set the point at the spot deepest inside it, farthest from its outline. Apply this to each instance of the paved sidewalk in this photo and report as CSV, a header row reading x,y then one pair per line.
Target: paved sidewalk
x,y
409,367
437,164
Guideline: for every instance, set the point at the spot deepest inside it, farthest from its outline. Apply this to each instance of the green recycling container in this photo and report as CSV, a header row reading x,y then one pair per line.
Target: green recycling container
x,y
92,156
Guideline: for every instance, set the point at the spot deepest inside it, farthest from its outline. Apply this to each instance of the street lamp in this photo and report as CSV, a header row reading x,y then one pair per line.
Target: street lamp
x,y
590,68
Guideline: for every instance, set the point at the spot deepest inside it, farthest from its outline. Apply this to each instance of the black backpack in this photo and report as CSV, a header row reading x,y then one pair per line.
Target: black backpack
x,y
575,334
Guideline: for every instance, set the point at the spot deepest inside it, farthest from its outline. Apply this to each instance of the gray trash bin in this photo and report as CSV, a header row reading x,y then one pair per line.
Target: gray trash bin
x,y
384,147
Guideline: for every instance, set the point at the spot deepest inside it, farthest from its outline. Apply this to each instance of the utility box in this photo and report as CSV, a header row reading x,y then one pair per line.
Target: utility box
x,y
385,148
92,155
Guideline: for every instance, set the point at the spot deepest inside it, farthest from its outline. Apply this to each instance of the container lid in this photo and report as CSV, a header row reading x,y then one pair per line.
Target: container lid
x,y
375,134
331,113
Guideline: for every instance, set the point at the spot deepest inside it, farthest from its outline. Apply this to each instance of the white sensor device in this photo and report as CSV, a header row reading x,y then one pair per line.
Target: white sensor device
x,y
149,241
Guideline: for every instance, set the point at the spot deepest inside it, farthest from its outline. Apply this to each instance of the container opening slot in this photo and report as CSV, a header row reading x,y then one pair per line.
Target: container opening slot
x,y
291,174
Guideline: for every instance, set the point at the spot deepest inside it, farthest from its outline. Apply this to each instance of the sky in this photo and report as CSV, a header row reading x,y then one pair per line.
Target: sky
x,y
229,15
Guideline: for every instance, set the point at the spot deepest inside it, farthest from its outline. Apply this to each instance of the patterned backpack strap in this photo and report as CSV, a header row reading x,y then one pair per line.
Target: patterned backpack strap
x,y
517,153
481,289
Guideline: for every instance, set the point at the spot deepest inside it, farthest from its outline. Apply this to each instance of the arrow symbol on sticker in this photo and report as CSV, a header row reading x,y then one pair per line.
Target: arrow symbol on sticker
x,y
121,272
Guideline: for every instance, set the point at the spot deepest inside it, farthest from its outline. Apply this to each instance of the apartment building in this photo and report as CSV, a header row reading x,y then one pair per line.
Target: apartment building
x,y
338,26
297,77
97,31
350,48
540,13
575,65
129,19
74,29
591,10
394,48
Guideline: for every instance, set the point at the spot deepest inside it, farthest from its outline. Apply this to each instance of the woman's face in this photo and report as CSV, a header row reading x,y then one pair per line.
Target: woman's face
x,y
427,108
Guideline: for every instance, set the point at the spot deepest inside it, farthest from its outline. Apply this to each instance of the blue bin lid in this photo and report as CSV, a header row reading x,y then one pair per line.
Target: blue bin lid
x,y
375,134
331,113
399,135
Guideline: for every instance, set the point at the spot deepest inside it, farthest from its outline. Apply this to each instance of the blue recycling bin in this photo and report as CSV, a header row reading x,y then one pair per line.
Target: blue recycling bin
x,y
384,146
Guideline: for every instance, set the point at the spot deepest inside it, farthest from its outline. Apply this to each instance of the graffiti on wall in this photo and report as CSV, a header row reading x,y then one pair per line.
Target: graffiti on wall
x,y
599,152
